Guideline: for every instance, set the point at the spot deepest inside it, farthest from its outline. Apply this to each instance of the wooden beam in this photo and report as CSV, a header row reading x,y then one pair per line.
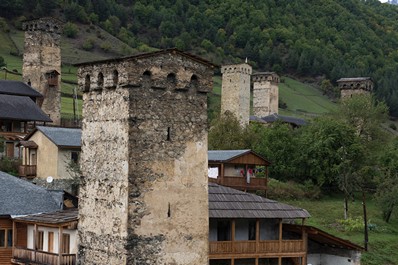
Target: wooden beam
x,y
60,244
257,236
280,235
222,174
35,240
233,235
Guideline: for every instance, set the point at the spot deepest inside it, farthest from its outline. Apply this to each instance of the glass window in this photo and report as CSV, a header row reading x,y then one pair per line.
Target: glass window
x,y
9,238
2,238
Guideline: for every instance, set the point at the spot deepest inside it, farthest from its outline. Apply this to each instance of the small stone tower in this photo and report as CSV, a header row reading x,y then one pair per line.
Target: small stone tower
x,y
354,86
265,93
42,63
235,94
144,194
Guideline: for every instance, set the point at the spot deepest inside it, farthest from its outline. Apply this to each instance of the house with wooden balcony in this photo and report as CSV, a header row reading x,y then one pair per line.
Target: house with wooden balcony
x,y
20,197
50,151
246,229
18,111
45,239
239,169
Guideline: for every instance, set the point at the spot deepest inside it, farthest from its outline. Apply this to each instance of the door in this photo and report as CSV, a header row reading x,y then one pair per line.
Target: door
x,y
10,150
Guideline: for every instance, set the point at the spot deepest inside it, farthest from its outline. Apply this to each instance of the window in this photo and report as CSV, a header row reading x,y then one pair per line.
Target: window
x,y
87,83
223,231
252,230
75,157
65,243
115,78
40,240
5,238
100,80
2,238
50,241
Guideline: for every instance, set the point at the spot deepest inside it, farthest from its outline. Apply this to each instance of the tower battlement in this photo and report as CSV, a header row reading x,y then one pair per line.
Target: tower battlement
x,y
354,86
236,68
47,24
271,77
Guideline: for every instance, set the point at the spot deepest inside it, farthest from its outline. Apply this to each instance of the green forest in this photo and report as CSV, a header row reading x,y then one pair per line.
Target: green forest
x,y
326,39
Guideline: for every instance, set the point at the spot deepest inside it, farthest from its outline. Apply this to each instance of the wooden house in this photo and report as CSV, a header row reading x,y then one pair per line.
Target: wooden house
x,y
49,151
18,109
239,169
20,197
246,229
45,239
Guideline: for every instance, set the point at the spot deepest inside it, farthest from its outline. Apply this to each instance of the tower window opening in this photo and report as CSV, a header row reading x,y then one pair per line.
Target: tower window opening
x,y
100,81
168,138
171,78
115,78
87,83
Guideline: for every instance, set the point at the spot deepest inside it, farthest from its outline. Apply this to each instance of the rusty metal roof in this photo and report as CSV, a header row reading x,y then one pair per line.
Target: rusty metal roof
x,y
59,217
226,202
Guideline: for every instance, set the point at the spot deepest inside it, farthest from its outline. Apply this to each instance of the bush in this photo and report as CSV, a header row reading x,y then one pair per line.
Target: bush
x,y
352,224
70,30
88,44
290,190
9,165
106,46
393,126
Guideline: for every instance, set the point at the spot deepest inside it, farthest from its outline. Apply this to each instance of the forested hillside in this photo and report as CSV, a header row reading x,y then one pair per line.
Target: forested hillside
x,y
326,38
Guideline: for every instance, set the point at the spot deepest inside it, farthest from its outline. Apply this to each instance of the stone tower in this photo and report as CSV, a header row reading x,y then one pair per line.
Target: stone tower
x,y
42,63
265,93
144,194
354,86
235,94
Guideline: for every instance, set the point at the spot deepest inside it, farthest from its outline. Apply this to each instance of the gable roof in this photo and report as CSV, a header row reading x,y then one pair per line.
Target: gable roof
x,y
322,237
21,108
61,137
18,88
276,117
225,155
226,202
151,54
20,197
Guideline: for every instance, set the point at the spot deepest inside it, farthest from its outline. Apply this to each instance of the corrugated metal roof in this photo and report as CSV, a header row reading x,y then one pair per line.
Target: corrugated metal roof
x,y
62,137
18,88
226,202
19,197
224,155
21,108
59,217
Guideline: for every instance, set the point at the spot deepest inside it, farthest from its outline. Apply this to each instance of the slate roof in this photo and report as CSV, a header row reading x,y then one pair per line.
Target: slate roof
x,y
151,54
62,137
226,202
18,88
20,197
21,108
58,217
276,117
225,155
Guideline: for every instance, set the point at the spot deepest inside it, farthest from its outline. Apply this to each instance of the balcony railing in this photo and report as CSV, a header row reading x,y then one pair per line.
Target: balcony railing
x,y
27,171
41,257
268,247
240,183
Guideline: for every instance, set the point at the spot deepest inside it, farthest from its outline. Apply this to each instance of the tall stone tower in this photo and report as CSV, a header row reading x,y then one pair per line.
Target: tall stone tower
x,y
235,94
265,93
42,63
144,194
354,86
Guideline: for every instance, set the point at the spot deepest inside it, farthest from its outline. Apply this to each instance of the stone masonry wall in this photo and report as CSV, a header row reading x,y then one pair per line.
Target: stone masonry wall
x,y
235,96
149,144
265,94
42,54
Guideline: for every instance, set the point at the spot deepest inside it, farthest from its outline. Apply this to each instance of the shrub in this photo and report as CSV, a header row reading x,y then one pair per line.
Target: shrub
x,y
9,165
352,224
88,44
70,30
106,46
290,190
393,126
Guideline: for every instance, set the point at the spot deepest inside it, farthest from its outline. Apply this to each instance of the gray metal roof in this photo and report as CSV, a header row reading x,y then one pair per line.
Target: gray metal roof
x,y
226,202
20,197
353,79
62,137
225,155
276,117
21,108
18,88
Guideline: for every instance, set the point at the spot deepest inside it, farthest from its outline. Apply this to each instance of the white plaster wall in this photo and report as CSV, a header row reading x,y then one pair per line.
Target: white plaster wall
x,y
326,259
231,171
46,230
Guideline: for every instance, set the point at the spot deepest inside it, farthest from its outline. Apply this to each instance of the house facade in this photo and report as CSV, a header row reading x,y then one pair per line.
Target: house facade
x,y
51,151
239,169
18,111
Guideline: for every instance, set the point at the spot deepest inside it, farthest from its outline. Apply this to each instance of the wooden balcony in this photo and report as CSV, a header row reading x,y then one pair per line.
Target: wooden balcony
x,y
268,248
240,183
30,256
27,171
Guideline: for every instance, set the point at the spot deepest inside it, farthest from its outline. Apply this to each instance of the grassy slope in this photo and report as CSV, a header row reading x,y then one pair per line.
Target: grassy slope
x,y
383,241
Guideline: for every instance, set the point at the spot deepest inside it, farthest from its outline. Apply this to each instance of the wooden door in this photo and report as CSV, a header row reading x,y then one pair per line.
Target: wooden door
x,y
50,241
10,150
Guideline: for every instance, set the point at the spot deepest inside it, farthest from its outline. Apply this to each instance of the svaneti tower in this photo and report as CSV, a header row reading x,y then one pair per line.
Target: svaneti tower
x,y
144,194
42,63
265,93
